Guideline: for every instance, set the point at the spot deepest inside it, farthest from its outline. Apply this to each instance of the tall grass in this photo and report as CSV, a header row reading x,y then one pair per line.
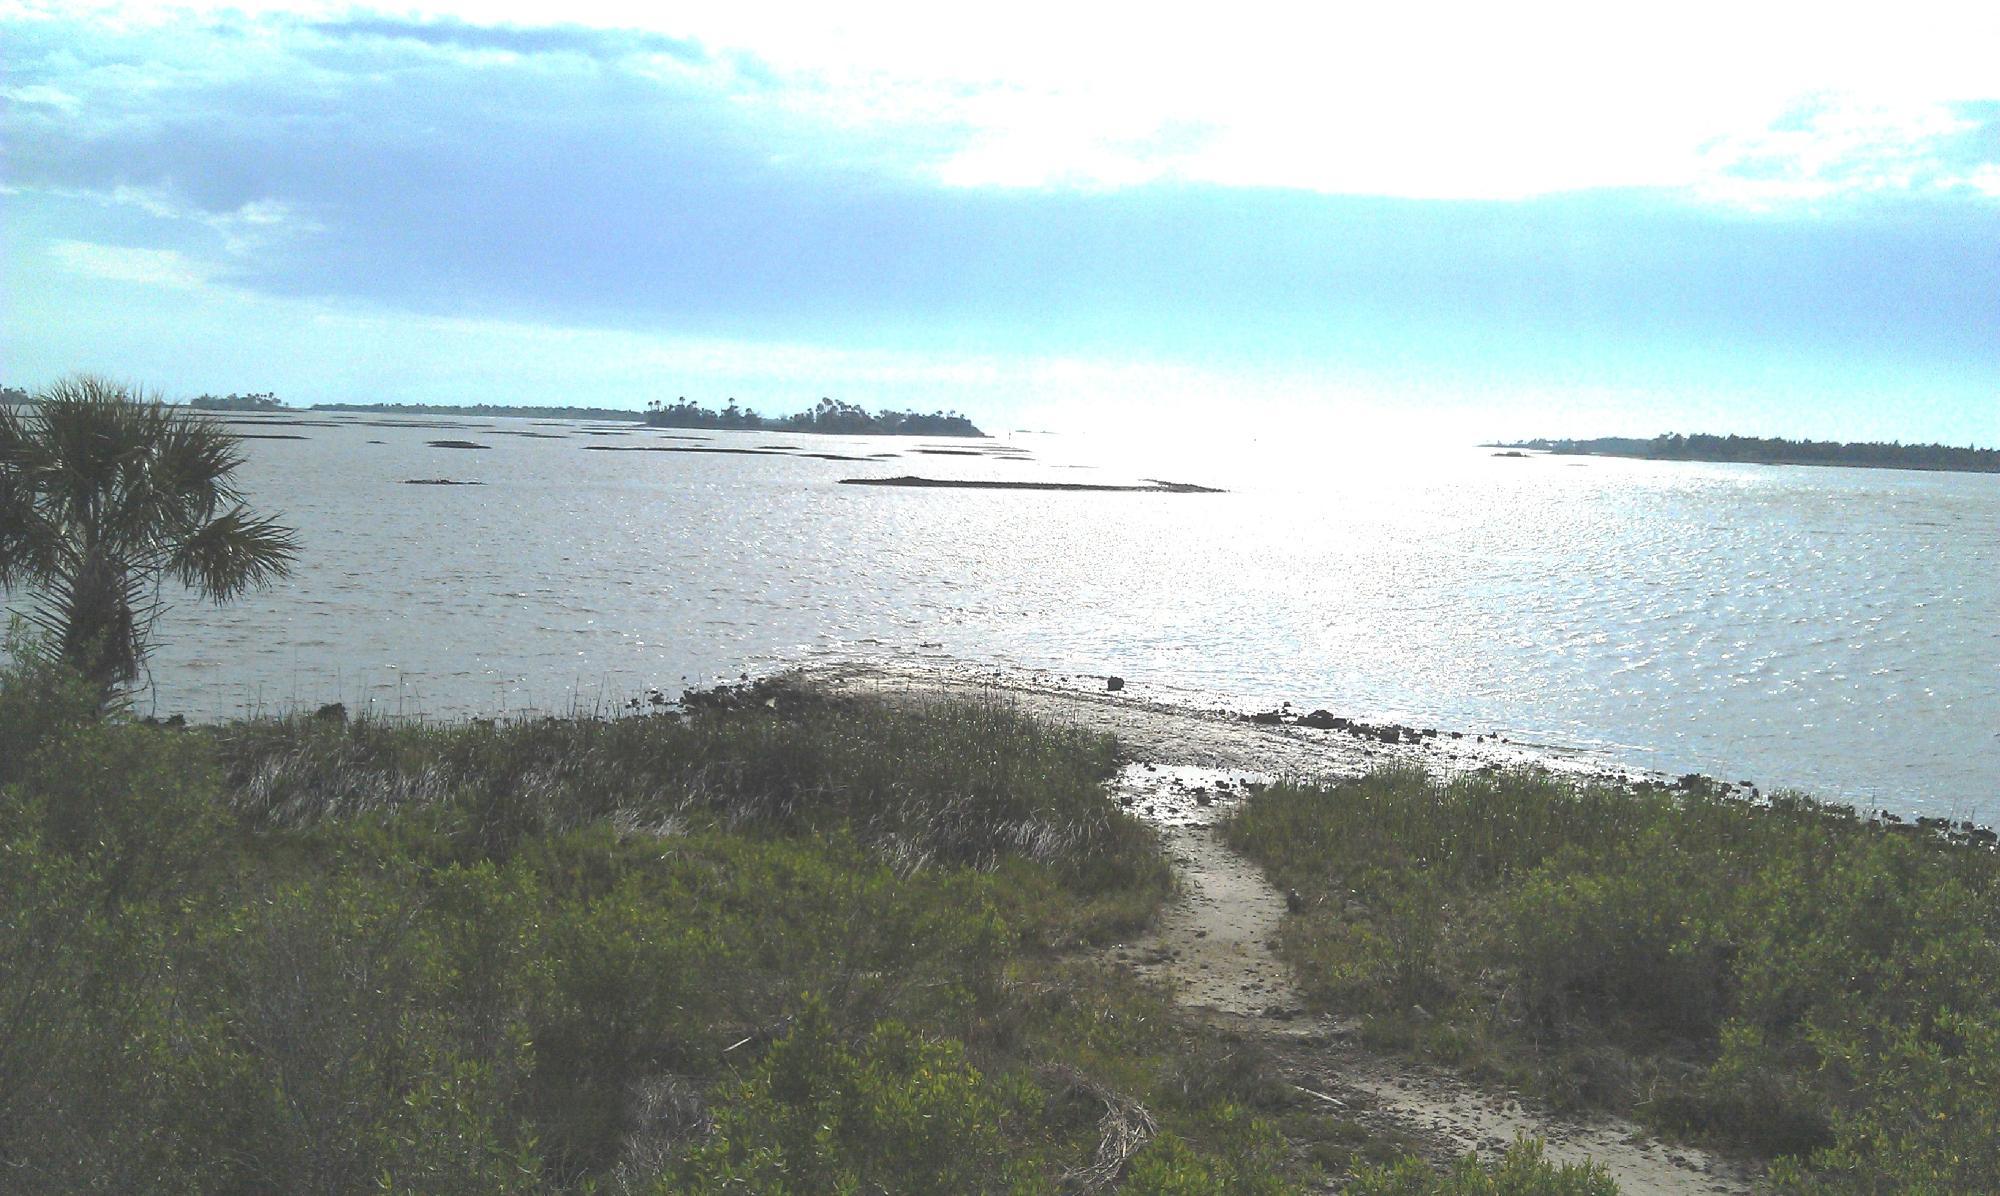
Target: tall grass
x,y
958,783
1782,974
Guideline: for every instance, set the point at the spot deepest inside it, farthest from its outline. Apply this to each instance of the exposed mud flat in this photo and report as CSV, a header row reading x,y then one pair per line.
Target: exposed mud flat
x,y
737,452
1152,486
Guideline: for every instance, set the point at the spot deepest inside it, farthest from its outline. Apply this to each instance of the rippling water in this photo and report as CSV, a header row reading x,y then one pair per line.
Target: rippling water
x,y
1832,629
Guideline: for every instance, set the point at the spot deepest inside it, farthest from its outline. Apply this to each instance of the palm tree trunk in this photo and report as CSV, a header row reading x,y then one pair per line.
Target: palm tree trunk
x,y
98,639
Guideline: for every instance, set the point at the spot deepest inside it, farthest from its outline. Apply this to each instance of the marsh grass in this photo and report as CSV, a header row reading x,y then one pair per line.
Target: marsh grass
x,y
955,783
1783,975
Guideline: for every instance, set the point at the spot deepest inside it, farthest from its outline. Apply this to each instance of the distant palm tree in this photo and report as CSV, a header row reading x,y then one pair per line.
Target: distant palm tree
x,y
105,495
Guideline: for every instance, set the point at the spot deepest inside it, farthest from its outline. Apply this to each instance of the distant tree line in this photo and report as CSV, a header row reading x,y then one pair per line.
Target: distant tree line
x,y
265,401
12,396
828,415
1779,451
489,410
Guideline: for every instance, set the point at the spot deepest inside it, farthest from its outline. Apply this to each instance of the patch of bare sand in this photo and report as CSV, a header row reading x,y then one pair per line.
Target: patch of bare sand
x,y
1214,946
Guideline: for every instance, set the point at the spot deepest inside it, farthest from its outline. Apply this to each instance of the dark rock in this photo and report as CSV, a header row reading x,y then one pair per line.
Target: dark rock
x,y
1114,684
1322,720
1202,797
1268,717
332,712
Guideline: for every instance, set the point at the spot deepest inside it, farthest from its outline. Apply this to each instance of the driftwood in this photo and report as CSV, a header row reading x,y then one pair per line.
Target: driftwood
x,y
1124,1129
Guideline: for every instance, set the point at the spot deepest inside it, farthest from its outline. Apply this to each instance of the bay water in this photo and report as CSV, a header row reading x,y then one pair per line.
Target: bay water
x,y
1834,630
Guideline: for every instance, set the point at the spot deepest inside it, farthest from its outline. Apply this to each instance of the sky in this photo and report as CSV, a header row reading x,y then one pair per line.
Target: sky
x,y
1465,221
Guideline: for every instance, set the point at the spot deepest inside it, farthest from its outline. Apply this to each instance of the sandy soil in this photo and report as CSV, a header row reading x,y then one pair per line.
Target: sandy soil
x,y
1214,945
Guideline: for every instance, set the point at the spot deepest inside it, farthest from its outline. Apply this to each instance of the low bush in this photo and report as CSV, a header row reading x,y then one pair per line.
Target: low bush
x,y
1521,1171
1781,975
897,1113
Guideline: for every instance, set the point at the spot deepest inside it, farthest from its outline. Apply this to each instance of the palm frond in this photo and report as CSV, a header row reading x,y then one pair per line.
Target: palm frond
x,y
233,552
17,504
190,475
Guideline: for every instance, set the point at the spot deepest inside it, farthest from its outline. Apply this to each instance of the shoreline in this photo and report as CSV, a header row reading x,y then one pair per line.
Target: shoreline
x,y
1285,743
1221,736
1219,730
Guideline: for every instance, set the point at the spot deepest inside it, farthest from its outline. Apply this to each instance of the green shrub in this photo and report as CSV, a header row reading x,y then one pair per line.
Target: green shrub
x,y
1718,966
1243,1157
40,700
1621,933
897,1113
1521,1171
1920,1115
324,956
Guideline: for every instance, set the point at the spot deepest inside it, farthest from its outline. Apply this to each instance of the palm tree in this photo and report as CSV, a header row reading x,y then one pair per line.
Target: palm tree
x,y
105,495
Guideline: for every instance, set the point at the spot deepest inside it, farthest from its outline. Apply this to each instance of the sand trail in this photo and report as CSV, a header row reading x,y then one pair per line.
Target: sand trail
x,y
1214,946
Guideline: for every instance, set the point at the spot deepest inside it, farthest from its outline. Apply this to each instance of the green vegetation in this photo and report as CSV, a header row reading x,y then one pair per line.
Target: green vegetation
x,y
487,410
265,401
828,415
104,496
1787,976
1778,451
778,944
1522,1171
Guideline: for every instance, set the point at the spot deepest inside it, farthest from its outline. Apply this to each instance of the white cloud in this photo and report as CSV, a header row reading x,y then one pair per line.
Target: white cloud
x,y
1446,100
1839,145
40,94
120,263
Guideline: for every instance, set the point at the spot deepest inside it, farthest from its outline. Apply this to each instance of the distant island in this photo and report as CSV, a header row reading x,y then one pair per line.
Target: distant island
x,y
827,416
235,402
484,410
1769,451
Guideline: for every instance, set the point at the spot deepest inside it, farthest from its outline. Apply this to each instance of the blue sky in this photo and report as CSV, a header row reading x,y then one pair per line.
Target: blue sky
x,y
1447,220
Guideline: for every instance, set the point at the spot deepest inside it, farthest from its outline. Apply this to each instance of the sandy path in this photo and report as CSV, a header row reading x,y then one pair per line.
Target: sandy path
x,y
1214,945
